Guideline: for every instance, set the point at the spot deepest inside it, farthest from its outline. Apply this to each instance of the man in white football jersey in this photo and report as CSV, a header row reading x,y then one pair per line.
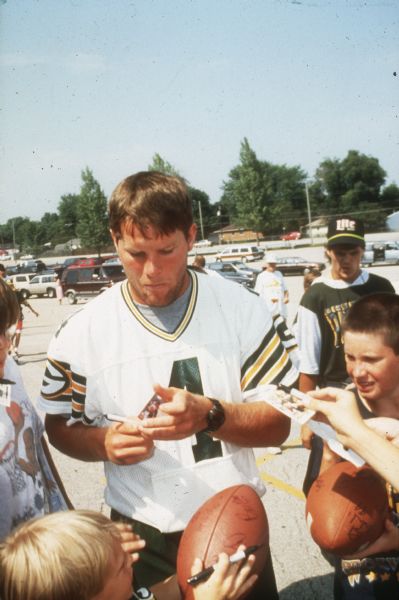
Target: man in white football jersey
x,y
197,342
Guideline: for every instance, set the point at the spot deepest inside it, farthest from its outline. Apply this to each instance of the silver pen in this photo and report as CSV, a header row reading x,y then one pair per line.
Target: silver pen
x,y
117,418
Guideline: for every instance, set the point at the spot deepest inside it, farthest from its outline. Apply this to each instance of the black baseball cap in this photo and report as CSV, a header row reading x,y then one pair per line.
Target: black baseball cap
x,y
345,230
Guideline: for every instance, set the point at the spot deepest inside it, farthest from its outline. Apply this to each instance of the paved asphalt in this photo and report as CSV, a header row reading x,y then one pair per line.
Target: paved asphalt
x,y
302,574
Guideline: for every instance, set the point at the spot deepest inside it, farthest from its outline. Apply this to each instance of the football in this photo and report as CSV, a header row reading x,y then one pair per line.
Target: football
x,y
231,517
346,508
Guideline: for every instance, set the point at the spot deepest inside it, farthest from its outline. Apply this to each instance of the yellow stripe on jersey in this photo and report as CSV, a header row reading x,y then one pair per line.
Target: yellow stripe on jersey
x,y
259,363
276,369
171,337
268,364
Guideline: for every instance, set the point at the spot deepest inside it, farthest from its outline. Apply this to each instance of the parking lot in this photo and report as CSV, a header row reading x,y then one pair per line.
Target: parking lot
x,y
302,574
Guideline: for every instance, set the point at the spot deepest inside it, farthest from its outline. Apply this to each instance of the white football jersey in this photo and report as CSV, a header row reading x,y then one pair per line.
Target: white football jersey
x,y
107,357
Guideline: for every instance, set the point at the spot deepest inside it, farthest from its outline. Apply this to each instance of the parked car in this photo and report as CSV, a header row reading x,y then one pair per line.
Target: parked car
x,y
21,282
381,252
202,244
229,272
294,265
29,266
291,235
79,280
235,266
72,260
42,285
244,252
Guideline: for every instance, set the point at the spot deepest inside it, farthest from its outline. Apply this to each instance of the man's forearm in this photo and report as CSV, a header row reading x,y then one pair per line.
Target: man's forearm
x,y
77,441
253,425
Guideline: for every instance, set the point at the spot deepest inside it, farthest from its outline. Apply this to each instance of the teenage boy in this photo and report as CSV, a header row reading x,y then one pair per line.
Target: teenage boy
x,y
371,345
198,342
320,315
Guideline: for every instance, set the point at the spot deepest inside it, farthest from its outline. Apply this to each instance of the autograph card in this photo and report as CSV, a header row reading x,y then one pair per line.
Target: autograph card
x,y
151,408
289,403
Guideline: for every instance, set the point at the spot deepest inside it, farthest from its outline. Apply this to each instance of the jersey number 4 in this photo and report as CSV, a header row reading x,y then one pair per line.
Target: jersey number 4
x,y
186,375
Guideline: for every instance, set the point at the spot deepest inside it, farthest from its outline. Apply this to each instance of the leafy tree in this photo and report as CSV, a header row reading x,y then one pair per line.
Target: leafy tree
x,y
48,230
163,166
92,227
68,209
246,194
350,186
390,196
261,196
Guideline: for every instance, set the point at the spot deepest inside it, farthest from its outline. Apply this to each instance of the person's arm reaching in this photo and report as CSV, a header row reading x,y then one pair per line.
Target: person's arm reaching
x,y
340,408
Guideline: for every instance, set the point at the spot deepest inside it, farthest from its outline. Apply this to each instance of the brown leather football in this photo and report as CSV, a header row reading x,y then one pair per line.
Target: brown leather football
x,y
346,508
231,517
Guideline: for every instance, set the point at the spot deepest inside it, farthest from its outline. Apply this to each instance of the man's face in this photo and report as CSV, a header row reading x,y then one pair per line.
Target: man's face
x,y
374,368
155,265
118,580
345,261
271,267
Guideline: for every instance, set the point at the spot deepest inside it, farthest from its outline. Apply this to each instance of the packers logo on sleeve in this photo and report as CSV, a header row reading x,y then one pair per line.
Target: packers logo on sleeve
x,y
57,381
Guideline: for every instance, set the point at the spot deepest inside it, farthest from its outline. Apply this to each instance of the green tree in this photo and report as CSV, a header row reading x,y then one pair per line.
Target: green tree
x,y
247,193
163,166
68,209
92,227
261,196
390,196
350,186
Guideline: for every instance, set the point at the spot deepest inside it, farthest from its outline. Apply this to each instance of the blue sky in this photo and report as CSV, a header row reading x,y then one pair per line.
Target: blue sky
x,y
109,84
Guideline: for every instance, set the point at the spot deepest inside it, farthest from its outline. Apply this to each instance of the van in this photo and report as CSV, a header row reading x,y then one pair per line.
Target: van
x,y
242,252
80,281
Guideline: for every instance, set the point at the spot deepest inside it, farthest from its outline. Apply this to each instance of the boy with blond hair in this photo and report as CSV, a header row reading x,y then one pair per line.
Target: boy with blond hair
x,y
79,555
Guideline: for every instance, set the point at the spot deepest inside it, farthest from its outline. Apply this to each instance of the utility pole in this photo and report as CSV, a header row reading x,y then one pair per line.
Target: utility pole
x,y
309,214
201,223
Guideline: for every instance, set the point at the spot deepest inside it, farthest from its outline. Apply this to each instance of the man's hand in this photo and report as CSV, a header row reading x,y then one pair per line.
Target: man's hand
x,y
181,415
387,542
126,444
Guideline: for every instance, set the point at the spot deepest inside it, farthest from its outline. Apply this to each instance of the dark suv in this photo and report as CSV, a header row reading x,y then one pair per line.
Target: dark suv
x,y
88,281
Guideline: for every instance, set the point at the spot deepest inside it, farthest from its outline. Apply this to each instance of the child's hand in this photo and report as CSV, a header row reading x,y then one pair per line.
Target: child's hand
x,y
131,542
228,582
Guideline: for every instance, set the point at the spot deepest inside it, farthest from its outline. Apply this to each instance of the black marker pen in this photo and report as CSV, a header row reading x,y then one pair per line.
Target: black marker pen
x,y
234,558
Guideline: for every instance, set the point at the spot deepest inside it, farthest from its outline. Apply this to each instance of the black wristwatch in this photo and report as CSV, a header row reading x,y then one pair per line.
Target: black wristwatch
x,y
215,417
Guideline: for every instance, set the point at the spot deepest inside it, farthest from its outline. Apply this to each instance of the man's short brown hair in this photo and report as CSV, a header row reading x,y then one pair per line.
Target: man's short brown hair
x,y
150,198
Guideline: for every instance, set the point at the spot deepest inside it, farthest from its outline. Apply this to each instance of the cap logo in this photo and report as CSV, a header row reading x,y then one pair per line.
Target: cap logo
x,y
345,225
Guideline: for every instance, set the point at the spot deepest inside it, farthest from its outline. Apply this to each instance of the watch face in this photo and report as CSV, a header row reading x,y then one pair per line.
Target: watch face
x,y
143,594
